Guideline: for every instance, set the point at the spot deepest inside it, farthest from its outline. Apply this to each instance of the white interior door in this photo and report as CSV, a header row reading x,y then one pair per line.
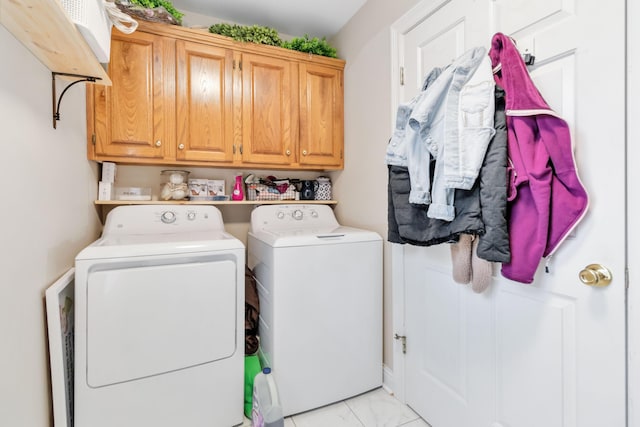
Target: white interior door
x,y
550,353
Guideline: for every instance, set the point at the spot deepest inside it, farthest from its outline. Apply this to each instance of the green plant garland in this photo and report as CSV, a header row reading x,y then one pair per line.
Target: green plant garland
x,y
269,36
253,34
311,45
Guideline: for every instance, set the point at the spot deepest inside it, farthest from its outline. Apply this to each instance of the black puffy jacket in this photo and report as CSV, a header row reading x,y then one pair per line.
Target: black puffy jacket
x,y
480,211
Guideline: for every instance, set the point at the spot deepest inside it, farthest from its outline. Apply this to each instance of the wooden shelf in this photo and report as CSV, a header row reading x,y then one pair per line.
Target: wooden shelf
x,y
105,206
44,28
208,202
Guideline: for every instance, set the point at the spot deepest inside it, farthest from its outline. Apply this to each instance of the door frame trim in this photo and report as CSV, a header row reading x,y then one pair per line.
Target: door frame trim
x,y
633,213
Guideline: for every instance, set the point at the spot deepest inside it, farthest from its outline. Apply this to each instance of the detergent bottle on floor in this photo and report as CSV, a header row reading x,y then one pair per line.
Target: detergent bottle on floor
x,y
267,411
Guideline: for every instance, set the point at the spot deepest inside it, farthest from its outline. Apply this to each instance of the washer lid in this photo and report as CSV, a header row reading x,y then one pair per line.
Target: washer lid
x,y
314,236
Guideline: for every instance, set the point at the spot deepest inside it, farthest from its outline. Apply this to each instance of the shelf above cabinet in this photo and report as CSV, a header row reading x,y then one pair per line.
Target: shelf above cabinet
x,y
44,28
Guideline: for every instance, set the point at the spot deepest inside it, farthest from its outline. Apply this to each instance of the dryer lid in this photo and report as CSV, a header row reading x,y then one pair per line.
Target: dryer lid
x,y
122,246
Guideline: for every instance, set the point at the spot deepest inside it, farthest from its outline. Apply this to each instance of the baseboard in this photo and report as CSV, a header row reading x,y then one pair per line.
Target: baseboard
x,y
387,379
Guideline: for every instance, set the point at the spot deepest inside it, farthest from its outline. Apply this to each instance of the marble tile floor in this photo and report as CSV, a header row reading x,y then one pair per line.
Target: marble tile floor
x,y
376,408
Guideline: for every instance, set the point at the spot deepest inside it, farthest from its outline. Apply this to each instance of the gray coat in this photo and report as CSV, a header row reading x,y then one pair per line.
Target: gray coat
x,y
480,211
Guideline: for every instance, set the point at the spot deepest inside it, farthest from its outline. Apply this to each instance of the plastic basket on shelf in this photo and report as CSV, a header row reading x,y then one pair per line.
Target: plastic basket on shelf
x,y
256,192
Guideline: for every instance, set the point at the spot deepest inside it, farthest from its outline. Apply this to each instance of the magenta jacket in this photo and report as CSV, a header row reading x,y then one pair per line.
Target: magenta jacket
x,y
546,197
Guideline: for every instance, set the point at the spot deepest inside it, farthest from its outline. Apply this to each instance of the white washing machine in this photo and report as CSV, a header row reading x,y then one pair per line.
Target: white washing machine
x,y
159,321
320,289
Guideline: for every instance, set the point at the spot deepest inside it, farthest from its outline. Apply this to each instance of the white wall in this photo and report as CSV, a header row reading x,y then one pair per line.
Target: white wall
x,y
362,187
46,217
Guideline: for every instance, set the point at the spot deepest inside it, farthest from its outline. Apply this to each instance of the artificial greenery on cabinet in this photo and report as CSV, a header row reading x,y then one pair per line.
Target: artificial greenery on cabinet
x,y
269,36
314,45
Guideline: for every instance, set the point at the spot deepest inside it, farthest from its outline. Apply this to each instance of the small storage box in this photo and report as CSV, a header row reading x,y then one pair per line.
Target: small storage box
x,y
216,187
133,193
198,189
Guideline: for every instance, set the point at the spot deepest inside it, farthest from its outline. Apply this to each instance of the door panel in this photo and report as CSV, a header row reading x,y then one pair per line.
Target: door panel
x,y
133,117
266,110
205,103
523,355
449,363
536,353
321,116
517,15
149,320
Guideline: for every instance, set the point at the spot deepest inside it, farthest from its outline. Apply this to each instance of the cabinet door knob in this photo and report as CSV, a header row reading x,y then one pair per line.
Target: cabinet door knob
x,y
158,143
288,152
181,146
304,152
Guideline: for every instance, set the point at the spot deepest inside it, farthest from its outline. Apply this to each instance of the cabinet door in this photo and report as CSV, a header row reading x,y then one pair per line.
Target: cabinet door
x,y
321,116
268,119
135,118
204,102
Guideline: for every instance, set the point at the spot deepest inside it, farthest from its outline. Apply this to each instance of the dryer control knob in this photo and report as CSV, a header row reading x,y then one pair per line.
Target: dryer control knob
x,y
297,214
280,215
168,217
191,216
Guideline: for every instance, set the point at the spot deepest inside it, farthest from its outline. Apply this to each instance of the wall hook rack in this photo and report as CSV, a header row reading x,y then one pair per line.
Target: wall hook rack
x,y
56,103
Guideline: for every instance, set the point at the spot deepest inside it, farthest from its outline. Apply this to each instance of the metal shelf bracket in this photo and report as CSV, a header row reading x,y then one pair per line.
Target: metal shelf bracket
x,y
56,102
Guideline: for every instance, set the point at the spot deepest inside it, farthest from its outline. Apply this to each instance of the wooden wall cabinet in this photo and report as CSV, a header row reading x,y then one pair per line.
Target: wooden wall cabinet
x,y
134,118
186,97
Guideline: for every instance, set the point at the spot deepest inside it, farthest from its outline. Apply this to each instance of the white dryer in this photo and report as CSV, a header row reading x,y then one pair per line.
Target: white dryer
x,y
320,289
159,321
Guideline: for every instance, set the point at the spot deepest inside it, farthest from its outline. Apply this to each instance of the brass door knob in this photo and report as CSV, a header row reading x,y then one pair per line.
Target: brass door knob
x,y
158,143
304,152
595,275
181,146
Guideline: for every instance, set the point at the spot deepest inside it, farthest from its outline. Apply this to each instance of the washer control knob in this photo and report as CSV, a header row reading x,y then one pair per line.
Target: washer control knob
x,y
314,214
168,217
297,214
191,215
280,215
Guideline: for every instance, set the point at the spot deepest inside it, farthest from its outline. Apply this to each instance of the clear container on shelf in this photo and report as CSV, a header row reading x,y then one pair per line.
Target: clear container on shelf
x,y
174,184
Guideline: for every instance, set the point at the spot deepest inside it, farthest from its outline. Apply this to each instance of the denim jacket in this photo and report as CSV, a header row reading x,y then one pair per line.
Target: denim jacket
x,y
445,121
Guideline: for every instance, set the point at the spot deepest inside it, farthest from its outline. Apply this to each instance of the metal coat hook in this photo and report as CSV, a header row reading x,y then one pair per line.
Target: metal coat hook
x,y
528,59
56,103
